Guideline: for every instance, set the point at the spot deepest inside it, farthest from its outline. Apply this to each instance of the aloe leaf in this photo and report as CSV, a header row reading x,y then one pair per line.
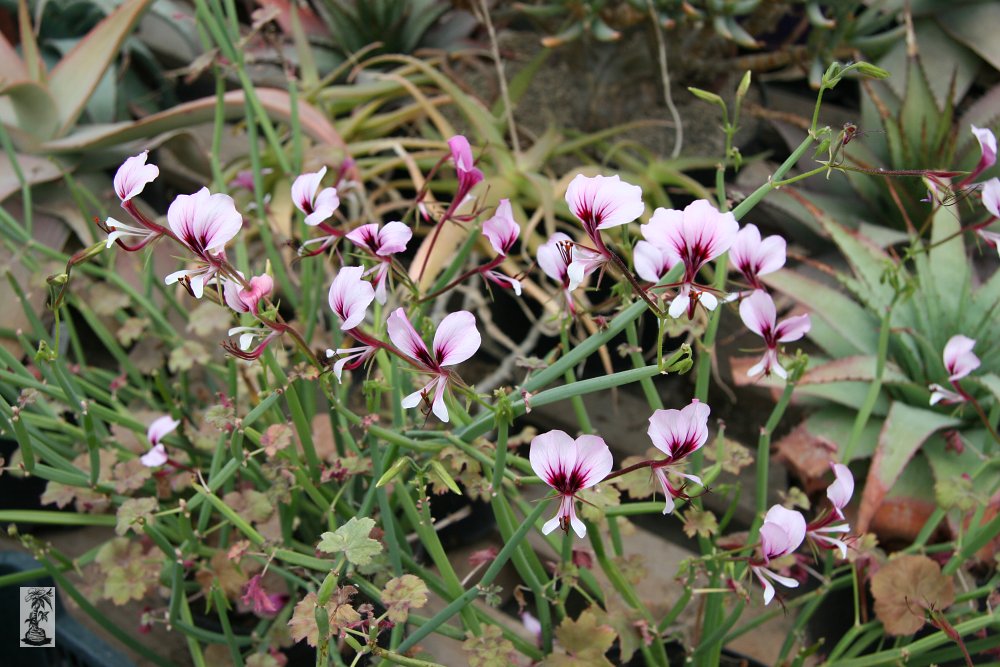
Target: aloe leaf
x,y
11,65
29,47
275,101
867,260
850,320
974,25
77,75
947,265
34,169
906,428
858,368
34,107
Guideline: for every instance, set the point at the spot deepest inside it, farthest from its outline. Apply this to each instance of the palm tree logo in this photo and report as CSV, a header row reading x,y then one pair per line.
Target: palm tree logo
x,y
41,602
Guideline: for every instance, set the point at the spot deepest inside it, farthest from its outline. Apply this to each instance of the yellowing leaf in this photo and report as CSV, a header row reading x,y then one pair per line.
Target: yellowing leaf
x,y
584,640
490,649
906,587
135,513
699,522
402,594
352,539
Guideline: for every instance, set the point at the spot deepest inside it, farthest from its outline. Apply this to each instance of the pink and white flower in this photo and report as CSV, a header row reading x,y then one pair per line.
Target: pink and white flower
x,y
754,257
651,262
159,429
569,466
205,223
465,166
118,230
318,205
247,299
959,359
503,280
585,262
759,315
133,176
782,533
988,149
602,202
842,488
350,358
826,531
502,230
382,243
554,258
677,433
695,236
991,201
350,295
455,340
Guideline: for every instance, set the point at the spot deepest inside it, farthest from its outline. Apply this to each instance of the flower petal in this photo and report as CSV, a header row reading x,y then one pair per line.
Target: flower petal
x,y
161,427
959,358
552,455
501,229
456,338
792,328
133,175
758,314
842,489
405,337
593,460
350,295
304,190
155,457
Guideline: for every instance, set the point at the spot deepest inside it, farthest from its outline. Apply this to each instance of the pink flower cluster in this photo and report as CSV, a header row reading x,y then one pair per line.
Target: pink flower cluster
x,y
784,531
691,237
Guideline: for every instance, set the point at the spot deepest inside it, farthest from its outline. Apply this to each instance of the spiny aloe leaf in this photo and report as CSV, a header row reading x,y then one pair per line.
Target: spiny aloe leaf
x,y
77,75
853,322
905,430
867,260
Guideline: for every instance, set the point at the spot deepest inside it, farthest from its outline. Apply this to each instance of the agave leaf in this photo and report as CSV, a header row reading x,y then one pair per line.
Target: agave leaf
x,y
11,65
519,83
975,26
854,323
34,107
942,57
274,100
906,428
77,75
